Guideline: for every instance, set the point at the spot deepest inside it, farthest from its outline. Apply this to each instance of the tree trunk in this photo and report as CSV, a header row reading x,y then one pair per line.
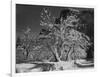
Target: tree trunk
x,y
69,54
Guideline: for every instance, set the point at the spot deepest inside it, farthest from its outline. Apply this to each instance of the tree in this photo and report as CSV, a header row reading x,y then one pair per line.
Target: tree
x,y
18,42
70,43
29,39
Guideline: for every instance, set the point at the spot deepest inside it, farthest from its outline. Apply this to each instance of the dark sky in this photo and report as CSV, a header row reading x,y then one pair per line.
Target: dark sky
x,y
29,16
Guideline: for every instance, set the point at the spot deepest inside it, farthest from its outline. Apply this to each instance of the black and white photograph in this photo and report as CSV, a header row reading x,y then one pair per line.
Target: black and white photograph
x,y
53,38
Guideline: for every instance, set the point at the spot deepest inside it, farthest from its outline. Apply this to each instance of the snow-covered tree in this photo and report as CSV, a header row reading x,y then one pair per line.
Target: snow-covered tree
x,y
70,44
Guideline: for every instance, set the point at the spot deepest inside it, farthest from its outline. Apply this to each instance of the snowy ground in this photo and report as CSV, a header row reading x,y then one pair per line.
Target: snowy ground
x,y
39,67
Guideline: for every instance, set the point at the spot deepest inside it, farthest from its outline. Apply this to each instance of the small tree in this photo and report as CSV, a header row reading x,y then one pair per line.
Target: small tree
x,y
18,41
29,39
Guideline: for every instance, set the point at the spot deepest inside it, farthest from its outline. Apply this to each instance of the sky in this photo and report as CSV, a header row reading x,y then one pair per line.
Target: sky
x,y
29,16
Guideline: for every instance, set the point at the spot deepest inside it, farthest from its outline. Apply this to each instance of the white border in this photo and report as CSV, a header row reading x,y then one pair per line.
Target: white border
x,y
50,3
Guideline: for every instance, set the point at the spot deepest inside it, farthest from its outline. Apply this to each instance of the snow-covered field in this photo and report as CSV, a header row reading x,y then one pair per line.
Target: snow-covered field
x,y
39,67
